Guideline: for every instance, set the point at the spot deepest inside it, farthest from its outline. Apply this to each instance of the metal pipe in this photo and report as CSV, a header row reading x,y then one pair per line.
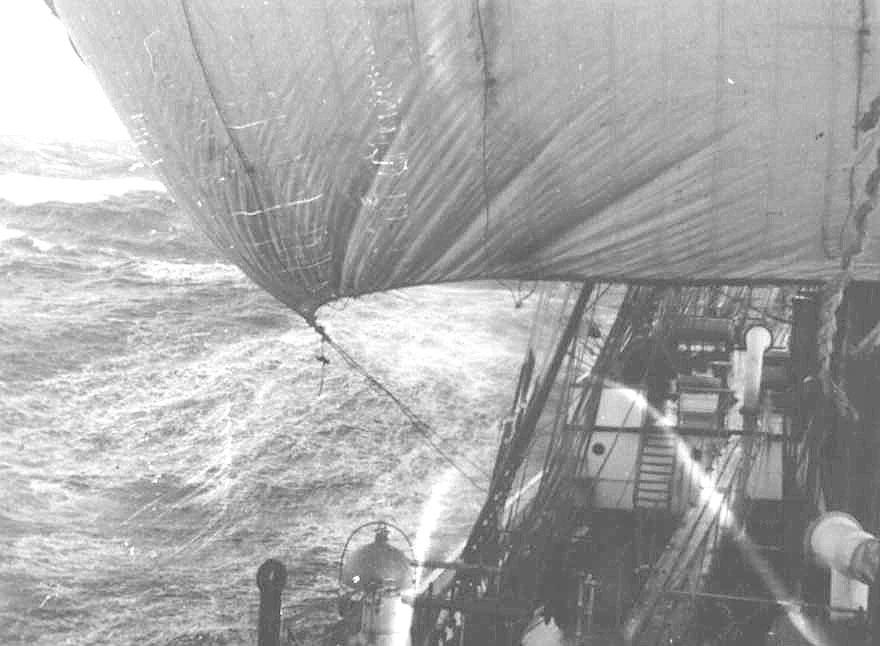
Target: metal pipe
x,y
271,577
785,603
758,339
579,629
591,584
459,566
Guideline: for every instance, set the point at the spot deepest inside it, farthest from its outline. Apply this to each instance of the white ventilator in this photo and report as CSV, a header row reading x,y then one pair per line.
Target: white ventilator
x,y
758,339
837,541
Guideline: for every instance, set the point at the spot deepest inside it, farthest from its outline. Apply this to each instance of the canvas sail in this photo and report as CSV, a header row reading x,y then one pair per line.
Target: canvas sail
x,y
338,147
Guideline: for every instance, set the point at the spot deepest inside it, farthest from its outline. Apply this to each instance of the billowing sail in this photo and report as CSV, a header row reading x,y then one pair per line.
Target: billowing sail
x,y
338,147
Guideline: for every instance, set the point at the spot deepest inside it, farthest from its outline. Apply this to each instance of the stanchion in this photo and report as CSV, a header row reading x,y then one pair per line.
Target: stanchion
x,y
271,577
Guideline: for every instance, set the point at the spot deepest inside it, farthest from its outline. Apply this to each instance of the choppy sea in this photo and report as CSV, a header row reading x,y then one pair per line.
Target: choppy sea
x,y
165,426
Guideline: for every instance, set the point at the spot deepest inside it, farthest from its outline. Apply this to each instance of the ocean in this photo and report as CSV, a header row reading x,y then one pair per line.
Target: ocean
x,y
165,426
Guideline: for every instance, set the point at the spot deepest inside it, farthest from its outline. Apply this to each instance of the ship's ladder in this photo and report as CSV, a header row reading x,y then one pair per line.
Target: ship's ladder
x,y
655,469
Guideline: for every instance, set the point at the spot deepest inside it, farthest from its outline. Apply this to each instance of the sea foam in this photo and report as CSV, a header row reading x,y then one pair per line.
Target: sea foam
x,y
25,190
188,272
10,233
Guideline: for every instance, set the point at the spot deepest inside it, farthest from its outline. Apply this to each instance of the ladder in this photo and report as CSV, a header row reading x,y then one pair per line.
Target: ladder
x,y
655,469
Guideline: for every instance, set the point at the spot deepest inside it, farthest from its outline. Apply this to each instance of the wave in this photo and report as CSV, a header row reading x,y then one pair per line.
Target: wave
x,y
18,237
161,271
8,233
67,159
26,190
135,224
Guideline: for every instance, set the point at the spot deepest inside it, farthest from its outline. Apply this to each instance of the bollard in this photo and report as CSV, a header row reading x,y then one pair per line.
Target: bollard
x,y
271,577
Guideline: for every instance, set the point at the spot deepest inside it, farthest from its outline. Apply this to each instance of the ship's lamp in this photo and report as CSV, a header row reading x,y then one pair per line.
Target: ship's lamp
x,y
374,576
376,564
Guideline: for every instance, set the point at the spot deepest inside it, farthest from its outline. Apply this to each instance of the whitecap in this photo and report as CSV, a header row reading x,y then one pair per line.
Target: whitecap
x,y
42,245
189,272
9,233
25,190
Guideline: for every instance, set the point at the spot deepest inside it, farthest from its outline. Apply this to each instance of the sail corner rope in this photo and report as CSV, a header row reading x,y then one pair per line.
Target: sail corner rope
x,y
418,424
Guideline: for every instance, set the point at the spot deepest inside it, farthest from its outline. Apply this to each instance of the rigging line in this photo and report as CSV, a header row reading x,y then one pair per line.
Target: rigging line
x,y
482,533
514,510
555,443
517,295
555,468
418,424
590,312
583,442
545,472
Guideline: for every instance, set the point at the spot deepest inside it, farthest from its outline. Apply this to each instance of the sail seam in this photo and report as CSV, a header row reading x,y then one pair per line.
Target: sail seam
x,y
719,129
233,140
833,91
246,165
484,126
308,278
666,80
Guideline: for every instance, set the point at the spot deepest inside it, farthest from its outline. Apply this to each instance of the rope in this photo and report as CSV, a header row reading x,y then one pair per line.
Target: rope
x,y
832,296
324,361
519,298
565,454
831,300
422,427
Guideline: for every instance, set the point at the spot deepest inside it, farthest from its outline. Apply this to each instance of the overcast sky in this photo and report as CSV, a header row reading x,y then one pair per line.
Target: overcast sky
x,y
45,91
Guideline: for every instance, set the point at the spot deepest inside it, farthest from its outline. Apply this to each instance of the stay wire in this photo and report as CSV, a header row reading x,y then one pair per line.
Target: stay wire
x,y
548,468
422,427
